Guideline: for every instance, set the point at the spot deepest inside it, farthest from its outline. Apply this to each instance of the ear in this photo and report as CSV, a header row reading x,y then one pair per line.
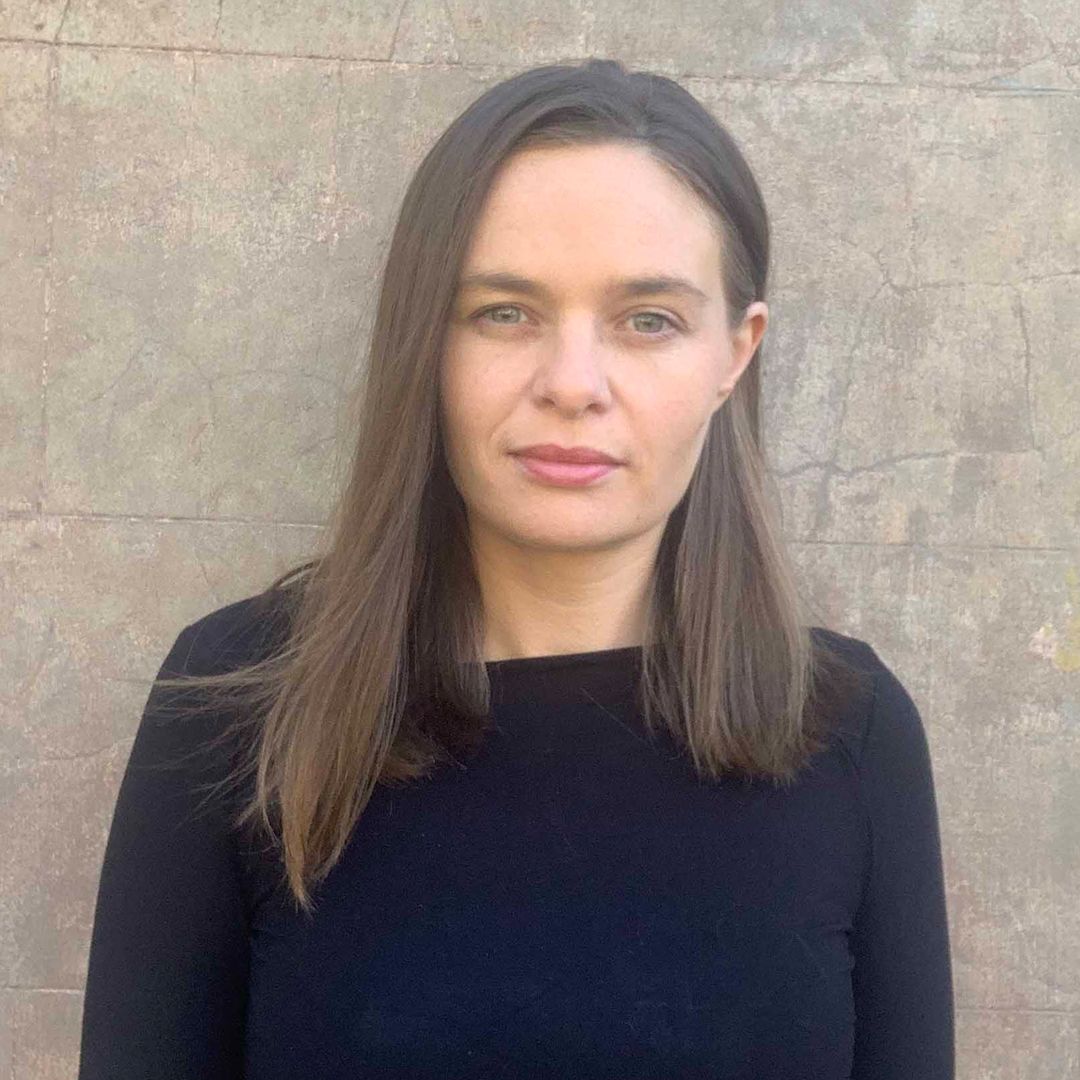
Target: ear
x,y
744,343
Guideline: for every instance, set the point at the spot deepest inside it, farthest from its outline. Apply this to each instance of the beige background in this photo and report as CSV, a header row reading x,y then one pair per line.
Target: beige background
x,y
194,202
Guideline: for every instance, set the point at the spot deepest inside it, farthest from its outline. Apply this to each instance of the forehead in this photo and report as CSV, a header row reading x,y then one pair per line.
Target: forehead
x,y
594,213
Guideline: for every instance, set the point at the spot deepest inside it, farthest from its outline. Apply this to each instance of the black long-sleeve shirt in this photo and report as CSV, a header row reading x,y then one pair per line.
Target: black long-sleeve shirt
x,y
572,903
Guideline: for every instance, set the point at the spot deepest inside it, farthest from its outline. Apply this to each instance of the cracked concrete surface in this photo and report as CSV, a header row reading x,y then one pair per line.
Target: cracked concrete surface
x,y
184,282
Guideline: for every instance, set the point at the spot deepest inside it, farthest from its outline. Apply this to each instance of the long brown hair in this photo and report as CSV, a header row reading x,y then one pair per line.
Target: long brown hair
x,y
377,674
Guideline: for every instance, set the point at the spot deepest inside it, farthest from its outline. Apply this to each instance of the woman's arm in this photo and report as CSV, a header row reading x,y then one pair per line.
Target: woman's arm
x,y
902,980
167,981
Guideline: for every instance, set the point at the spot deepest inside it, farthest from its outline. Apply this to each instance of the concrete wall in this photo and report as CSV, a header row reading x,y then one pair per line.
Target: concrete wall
x,y
194,199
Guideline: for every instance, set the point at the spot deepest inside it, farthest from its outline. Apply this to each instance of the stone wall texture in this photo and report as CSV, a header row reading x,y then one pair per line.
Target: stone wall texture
x,y
194,202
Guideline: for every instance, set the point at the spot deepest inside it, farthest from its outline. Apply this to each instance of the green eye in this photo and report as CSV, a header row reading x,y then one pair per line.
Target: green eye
x,y
654,315
672,326
497,307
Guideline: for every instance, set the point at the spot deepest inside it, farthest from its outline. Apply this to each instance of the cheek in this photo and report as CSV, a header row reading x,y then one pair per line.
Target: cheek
x,y
452,415
457,389
471,406
677,427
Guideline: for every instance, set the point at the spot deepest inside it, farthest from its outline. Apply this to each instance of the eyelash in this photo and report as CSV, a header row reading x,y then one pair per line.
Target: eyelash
x,y
675,327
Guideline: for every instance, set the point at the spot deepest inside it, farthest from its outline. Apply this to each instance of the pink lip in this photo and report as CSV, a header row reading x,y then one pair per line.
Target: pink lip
x,y
563,473
575,455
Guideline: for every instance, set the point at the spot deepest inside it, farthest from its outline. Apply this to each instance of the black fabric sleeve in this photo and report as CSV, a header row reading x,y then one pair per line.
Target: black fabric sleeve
x,y
902,979
167,978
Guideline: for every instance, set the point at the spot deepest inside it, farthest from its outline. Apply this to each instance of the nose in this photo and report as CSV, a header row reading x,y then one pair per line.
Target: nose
x,y
573,371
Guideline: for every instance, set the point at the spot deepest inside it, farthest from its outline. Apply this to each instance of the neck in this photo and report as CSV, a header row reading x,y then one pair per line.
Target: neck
x,y
555,602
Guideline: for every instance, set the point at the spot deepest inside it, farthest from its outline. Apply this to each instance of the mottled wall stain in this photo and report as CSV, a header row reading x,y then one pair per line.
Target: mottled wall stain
x,y
1060,642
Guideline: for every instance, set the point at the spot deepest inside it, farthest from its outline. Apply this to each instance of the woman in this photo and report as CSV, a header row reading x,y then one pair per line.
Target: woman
x,y
536,770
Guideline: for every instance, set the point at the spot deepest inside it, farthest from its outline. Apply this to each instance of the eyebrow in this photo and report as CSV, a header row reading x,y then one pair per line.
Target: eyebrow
x,y
649,285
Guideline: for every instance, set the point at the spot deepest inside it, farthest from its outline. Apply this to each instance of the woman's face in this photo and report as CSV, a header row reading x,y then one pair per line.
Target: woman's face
x,y
578,359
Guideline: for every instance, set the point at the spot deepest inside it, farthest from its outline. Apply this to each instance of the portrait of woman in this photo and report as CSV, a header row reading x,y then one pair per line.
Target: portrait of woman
x,y
539,768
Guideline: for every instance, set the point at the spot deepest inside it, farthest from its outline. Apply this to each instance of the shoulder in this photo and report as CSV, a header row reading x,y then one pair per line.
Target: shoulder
x,y
228,638
191,732
879,711
234,635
